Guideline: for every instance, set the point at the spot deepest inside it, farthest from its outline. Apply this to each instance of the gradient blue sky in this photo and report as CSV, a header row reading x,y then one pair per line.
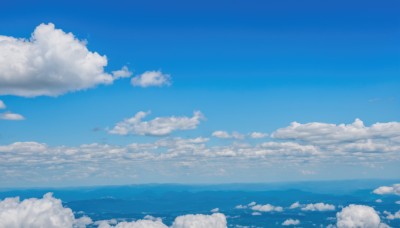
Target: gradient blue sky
x,y
246,65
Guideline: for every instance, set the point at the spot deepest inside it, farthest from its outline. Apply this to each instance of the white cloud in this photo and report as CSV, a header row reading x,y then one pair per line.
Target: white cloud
x,y
151,78
266,208
251,204
256,213
157,127
323,133
384,190
216,220
240,206
135,224
397,202
257,135
391,216
11,116
295,205
215,210
358,216
123,73
45,212
2,105
318,207
291,222
50,63
378,201
226,135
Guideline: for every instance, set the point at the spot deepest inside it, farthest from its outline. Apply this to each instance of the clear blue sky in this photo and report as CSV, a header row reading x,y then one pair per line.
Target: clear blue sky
x,y
248,66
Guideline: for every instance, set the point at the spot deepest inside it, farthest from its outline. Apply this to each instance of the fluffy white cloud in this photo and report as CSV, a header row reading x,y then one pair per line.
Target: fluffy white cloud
x,y
291,222
123,73
157,127
358,216
2,105
323,133
51,63
216,220
151,78
257,135
11,116
45,212
226,135
318,207
383,190
266,208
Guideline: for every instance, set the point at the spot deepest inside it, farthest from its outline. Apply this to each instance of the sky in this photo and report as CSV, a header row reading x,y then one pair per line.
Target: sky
x,y
122,92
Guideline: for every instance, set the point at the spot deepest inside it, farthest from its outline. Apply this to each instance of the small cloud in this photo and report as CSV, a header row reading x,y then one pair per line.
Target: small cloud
x,y
318,207
256,214
151,78
226,135
159,126
257,135
123,73
291,222
11,116
266,208
295,205
378,201
215,210
2,105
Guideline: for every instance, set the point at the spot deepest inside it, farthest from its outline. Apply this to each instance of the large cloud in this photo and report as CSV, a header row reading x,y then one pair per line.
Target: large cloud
x,y
358,216
51,63
216,220
324,133
157,127
383,190
45,212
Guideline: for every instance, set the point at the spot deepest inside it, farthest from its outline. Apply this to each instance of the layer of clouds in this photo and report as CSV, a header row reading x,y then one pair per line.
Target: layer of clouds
x,y
291,222
359,216
52,62
151,78
318,207
384,190
159,126
11,116
324,133
45,212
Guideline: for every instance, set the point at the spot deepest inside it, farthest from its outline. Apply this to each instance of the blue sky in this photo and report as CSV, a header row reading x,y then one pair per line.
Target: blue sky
x,y
246,66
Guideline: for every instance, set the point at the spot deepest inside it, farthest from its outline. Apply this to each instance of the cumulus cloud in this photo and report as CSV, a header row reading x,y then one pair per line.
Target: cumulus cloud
x,y
257,135
45,212
151,78
52,62
358,216
318,207
11,116
159,126
123,73
216,220
323,133
291,222
226,135
384,190
266,208
2,105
